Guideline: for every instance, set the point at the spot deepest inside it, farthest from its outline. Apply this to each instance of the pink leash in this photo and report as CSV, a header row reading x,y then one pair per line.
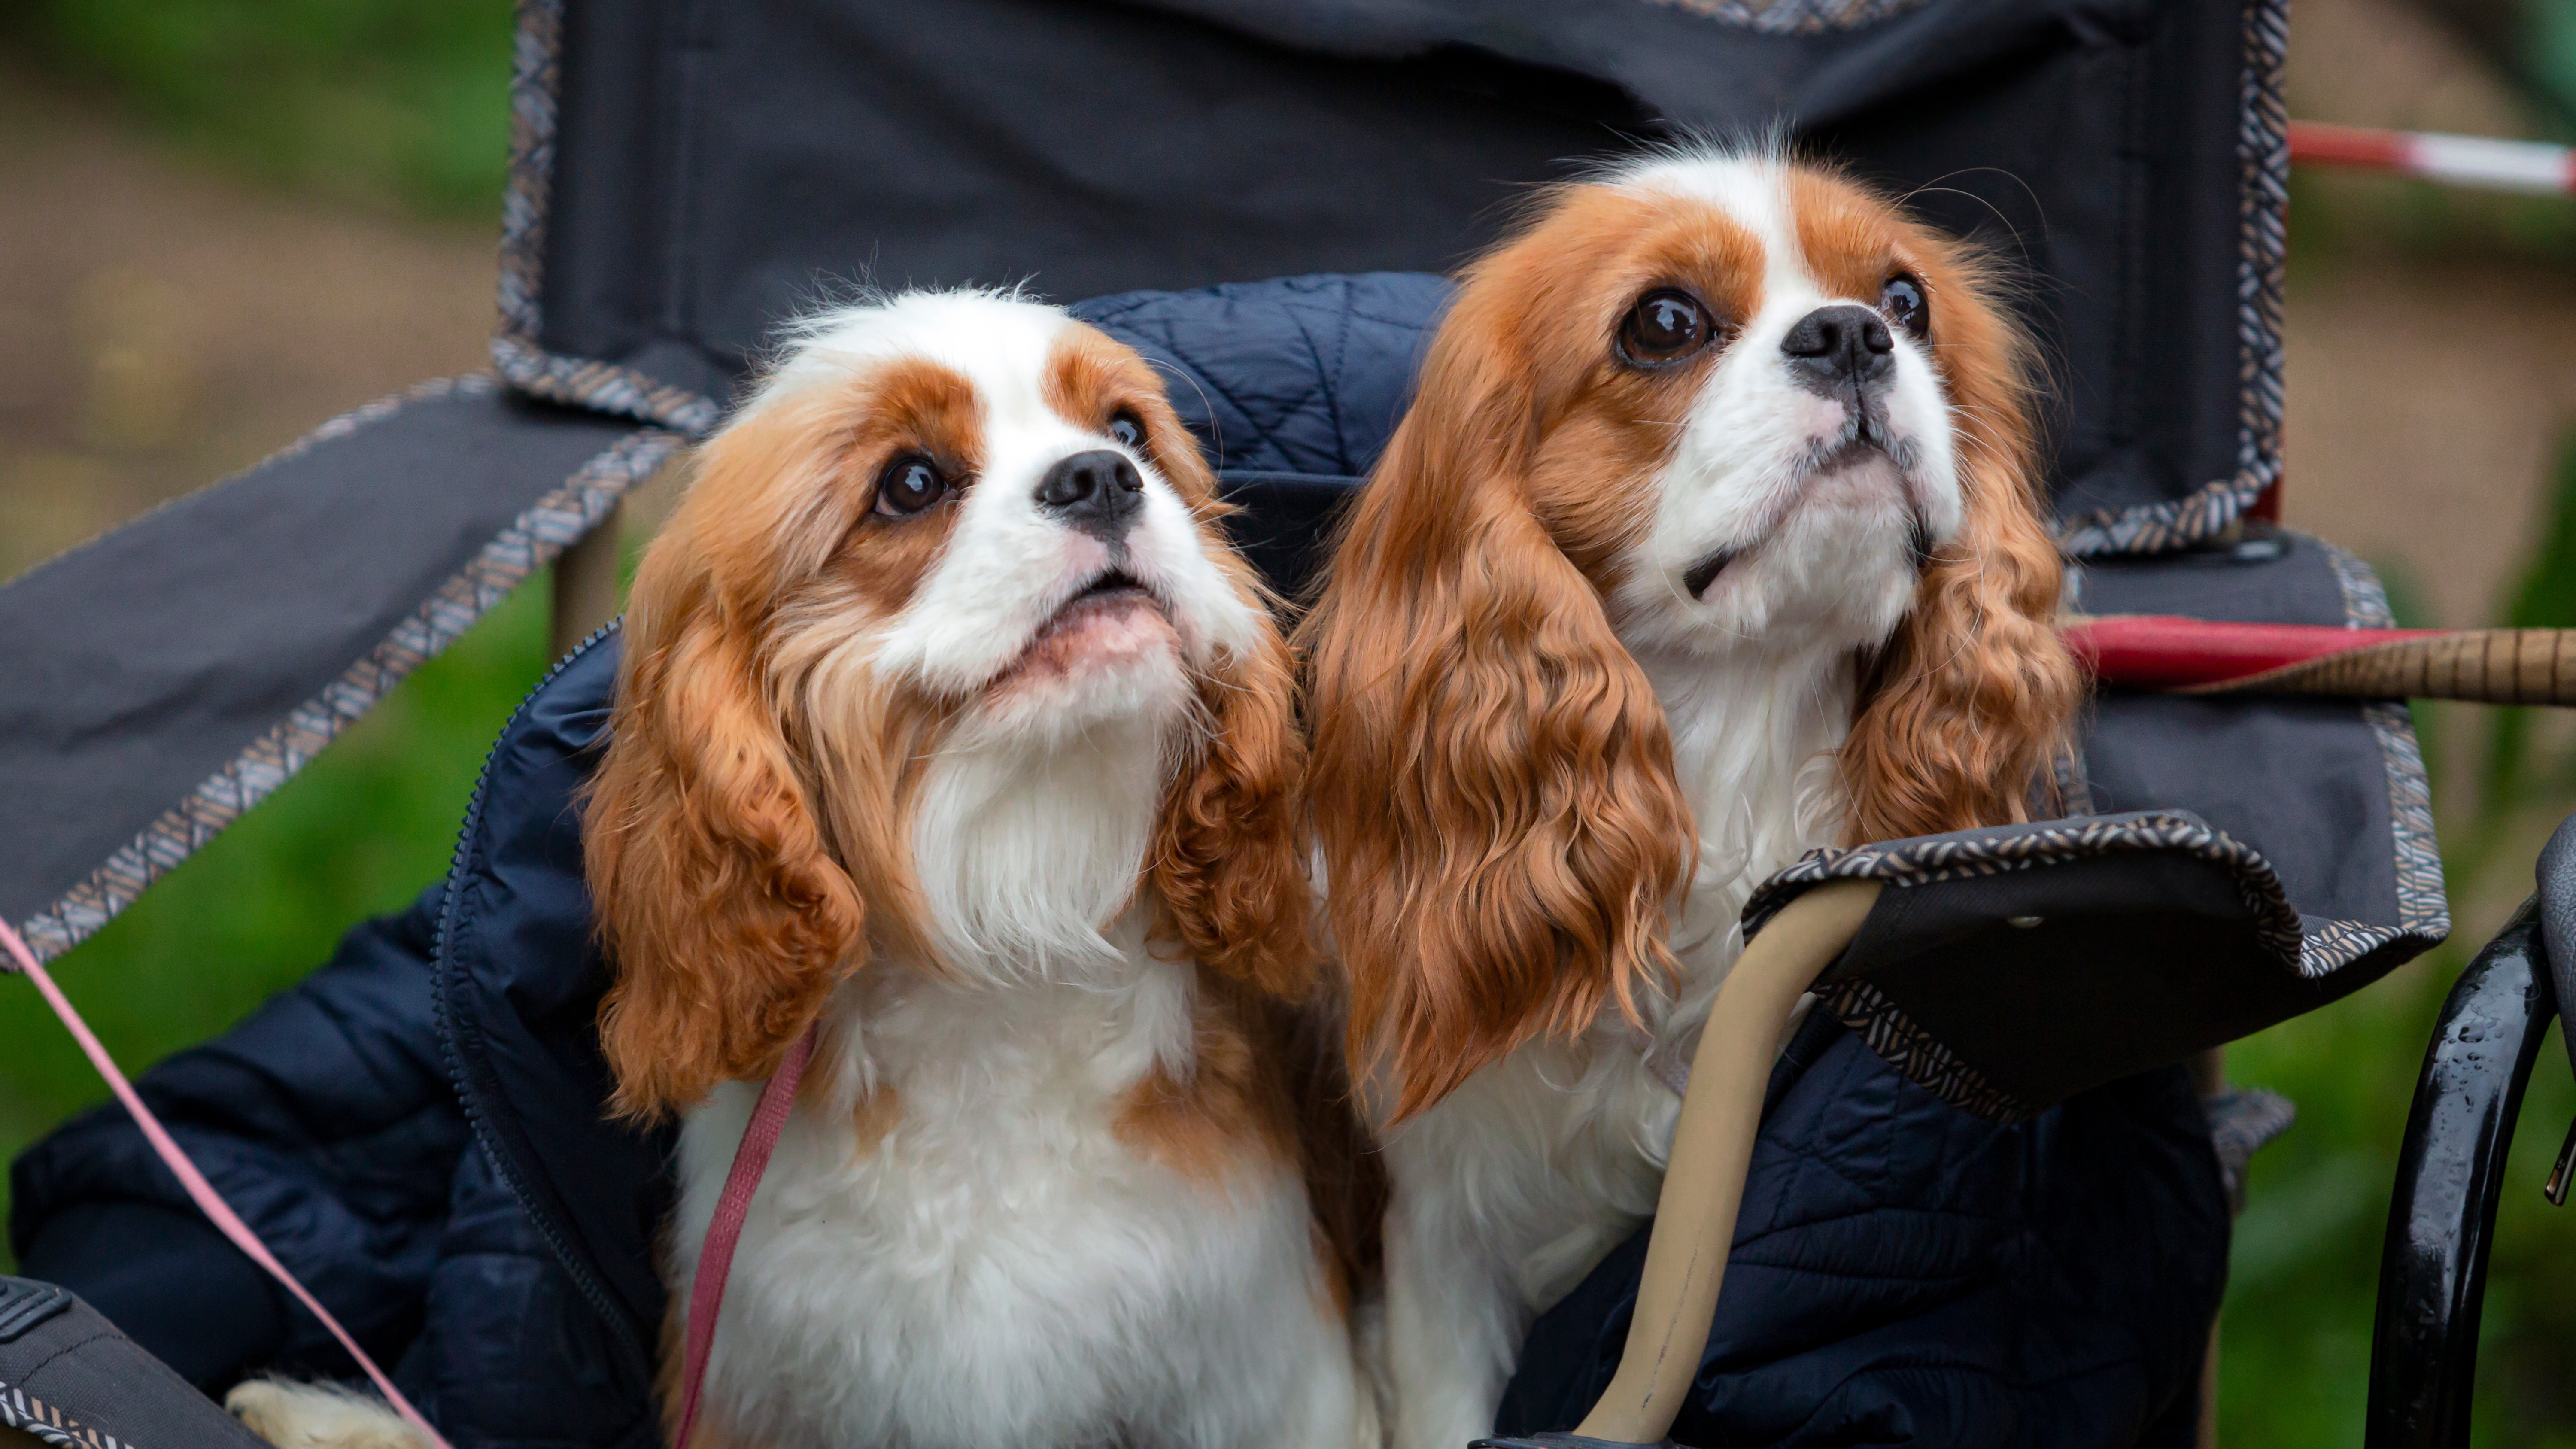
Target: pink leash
x,y
195,1182
724,1230
715,1260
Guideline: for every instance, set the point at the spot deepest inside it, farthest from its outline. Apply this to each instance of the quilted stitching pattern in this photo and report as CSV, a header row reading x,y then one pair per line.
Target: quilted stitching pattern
x,y
1297,375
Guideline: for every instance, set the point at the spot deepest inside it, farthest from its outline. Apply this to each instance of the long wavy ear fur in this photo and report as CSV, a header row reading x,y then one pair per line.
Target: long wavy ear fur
x,y
1229,857
725,915
1492,783
1965,710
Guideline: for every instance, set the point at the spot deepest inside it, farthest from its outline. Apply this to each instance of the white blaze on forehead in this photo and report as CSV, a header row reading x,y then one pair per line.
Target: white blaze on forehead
x,y
992,339
1753,191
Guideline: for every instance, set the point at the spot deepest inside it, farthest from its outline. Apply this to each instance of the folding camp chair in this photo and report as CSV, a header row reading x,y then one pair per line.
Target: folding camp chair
x,y
685,175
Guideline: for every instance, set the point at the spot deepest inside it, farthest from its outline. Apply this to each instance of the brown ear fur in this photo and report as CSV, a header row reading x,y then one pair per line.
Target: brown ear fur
x,y
724,912
1965,710
1229,852
1492,780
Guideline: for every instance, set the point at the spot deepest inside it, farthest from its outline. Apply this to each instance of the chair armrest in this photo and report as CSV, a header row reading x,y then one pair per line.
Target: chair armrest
x,y
2450,1176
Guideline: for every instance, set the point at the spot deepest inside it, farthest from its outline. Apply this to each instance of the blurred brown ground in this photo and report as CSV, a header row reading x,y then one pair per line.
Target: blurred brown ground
x,y
161,326
2428,394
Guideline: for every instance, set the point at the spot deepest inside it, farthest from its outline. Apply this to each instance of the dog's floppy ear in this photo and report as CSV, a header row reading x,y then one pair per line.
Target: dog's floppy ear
x,y
1229,854
726,917
1966,709
1492,779
1227,858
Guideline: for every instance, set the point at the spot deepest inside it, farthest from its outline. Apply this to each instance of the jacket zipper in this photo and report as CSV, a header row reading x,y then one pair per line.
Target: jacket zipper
x,y
593,1292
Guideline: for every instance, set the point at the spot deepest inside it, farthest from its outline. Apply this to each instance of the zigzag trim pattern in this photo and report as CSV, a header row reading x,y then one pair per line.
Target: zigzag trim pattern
x,y
48,1422
536,69
553,523
2262,252
1906,863
1888,1031
2314,948
536,74
1795,17
2423,901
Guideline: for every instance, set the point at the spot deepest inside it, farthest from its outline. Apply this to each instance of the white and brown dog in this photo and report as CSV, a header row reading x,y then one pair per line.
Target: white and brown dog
x,y
948,718
1713,536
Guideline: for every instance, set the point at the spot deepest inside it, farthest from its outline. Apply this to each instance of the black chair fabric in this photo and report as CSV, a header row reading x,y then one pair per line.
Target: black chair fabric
x,y
702,171
71,1380
685,174
163,679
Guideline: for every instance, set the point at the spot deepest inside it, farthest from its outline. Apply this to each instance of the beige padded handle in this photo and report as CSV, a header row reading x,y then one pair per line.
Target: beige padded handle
x,y
1712,1149
2487,666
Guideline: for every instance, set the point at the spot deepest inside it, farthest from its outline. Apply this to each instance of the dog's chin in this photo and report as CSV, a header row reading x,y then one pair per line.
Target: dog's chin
x,y
1109,653
1836,569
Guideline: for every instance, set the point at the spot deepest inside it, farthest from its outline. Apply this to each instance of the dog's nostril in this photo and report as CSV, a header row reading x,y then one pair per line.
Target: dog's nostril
x,y
1834,344
1079,478
1095,491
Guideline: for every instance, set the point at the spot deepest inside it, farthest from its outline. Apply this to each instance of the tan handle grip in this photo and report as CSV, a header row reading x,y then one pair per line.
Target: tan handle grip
x,y
2487,666
1712,1149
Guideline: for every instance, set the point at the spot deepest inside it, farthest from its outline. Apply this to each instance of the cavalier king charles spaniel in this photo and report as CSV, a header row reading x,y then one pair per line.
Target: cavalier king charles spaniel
x,y
1714,535
948,719
948,716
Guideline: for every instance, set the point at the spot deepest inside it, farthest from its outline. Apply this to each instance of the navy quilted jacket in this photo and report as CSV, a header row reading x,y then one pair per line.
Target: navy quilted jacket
x,y
416,1129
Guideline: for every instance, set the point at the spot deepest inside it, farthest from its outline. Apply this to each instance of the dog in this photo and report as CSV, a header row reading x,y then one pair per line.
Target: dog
x,y
948,719
1713,535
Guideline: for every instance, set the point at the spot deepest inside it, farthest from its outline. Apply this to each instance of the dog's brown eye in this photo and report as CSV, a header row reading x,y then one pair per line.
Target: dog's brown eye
x,y
1666,326
908,485
1128,429
1902,302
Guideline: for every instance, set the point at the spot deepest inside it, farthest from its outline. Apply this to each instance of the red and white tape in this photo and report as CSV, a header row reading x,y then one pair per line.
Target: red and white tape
x,y
2533,167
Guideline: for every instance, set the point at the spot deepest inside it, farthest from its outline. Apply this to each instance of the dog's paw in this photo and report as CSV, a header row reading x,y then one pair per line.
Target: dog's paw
x,y
319,1416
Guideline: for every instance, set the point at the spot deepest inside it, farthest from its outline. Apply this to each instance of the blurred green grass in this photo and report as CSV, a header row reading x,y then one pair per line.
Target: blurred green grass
x,y
401,104
404,105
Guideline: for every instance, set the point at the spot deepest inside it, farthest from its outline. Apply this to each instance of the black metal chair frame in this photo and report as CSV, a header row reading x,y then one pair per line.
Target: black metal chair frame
x,y
2450,1180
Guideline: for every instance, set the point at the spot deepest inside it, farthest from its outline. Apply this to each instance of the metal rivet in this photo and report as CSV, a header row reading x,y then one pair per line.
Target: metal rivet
x,y
2022,923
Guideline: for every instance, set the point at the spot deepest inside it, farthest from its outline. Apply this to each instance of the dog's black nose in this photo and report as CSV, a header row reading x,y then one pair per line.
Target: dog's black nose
x,y
1834,347
1098,492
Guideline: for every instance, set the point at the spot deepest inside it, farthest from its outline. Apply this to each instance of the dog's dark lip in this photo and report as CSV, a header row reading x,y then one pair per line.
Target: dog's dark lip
x,y
1112,582
1110,587
1852,452
1112,590
1700,575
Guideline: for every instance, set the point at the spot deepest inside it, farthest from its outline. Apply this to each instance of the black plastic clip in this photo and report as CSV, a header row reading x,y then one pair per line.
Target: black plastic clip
x,y
25,1302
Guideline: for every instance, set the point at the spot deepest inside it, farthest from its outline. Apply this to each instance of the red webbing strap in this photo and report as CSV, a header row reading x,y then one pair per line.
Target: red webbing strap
x,y
207,1200
724,1230
2201,656
2155,651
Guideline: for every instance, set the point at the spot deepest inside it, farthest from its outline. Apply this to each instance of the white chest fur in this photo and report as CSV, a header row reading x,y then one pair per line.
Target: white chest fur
x,y
965,1251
